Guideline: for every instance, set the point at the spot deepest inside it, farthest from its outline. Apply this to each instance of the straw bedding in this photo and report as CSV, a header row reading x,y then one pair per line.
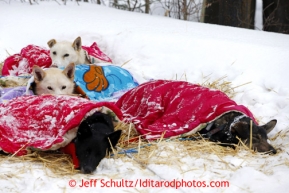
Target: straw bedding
x,y
142,152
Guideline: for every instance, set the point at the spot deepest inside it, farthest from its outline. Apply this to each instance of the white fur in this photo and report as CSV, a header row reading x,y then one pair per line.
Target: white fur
x,y
64,52
54,80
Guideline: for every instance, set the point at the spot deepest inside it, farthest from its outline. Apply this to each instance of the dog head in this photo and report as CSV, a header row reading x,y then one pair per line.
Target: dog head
x,y
95,136
54,80
63,53
241,128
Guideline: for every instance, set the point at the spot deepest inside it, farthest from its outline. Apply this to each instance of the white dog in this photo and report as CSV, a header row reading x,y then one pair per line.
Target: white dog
x,y
64,52
53,80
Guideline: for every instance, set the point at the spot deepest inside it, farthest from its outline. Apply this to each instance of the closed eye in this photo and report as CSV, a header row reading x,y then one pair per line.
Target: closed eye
x,y
65,55
255,140
54,53
49,88
63,87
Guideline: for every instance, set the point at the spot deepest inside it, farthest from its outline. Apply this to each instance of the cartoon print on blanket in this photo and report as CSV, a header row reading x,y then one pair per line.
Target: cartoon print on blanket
x,y
45,122
174,108
22,63
103,83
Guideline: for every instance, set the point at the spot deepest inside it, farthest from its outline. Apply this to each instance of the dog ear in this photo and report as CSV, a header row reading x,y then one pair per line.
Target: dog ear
x,y
69,71
38,73
77,44
114,137
84,131
270,125
51,43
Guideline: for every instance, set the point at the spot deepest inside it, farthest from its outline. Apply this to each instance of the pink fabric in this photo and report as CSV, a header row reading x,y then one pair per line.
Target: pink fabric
x,y
22,63
94,54
10,62
174,107
42,121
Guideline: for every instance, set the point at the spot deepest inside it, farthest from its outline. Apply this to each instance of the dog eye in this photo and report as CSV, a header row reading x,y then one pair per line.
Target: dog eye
x,y
63,87
66,55
54,53
255,139
49,88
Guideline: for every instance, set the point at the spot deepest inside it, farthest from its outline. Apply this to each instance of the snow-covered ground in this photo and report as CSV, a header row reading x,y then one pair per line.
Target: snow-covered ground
x,y
163,48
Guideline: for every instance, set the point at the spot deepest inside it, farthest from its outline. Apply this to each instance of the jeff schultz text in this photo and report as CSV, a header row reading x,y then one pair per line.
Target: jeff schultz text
x,y
147,183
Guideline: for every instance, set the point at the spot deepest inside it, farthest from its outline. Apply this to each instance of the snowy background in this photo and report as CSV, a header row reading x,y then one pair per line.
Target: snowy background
x,y
162,48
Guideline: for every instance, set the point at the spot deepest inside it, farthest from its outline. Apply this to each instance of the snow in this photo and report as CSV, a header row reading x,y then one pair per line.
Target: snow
x,y
69,117
156,47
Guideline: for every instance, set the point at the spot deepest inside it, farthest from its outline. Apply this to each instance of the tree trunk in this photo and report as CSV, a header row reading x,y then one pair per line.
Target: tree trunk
x,y
147,6
185,10
179,9
276,16
235,13
210,11
248,14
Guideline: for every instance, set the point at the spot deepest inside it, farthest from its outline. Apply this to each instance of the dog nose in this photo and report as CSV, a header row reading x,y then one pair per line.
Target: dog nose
x,y
53,66
273,150
87,170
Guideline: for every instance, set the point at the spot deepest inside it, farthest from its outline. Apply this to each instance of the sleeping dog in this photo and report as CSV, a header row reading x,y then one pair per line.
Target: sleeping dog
x,y
95,136
171,108
231,125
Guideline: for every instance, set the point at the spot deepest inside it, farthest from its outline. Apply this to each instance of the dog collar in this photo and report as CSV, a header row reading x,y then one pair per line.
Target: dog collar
x,y
226,128
232,137
236,120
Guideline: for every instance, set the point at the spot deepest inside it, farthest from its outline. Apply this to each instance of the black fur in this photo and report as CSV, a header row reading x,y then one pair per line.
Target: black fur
x,y
33,87
92,142
231,125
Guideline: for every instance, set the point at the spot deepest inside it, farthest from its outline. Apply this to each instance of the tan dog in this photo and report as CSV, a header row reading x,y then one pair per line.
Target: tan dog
x,y
53,80
64,52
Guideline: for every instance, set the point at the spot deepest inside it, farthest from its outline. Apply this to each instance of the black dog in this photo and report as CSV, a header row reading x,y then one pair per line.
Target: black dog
x,y
93,139
228,127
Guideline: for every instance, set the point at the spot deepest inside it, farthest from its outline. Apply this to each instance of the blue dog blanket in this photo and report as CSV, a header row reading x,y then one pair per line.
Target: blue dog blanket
x,y
101,83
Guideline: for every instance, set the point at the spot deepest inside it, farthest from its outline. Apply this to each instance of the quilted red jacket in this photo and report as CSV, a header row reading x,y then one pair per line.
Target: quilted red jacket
x,y
174,107
45,122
